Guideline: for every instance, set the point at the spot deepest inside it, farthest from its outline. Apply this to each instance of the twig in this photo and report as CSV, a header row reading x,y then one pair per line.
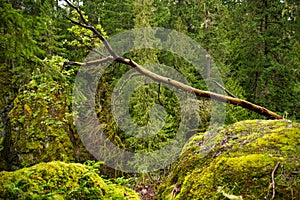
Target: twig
x,y
98,52
127,80
86,25
77,10
273,181
93,62
158,93
223,88
283,173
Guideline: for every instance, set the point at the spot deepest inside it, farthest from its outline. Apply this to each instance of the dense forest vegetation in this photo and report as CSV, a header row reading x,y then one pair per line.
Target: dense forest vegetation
x,y
255,45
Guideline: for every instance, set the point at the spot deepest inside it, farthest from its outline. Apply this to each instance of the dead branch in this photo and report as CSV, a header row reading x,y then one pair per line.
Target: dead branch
x,y
222,98
93,62
86,25
158,93
223,88
273,181
98,52
206,94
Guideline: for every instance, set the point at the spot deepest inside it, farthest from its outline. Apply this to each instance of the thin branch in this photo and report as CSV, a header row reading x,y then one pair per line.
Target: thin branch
x,y
223,88
283,173
273,181
158,93
94,62
75,37
222,98
77,23
98,52
127,80
78,11
86,25
295,172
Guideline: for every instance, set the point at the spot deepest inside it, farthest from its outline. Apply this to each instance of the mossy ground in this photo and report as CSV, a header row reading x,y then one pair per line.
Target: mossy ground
x,y
239,160
59,180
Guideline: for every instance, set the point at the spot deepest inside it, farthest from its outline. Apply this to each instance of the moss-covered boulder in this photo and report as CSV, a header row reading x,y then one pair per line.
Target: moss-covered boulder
x,y
257,159
59,180
41,124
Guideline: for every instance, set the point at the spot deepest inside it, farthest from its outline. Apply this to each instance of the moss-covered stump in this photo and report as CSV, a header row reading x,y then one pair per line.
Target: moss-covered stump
x,y
257,159
59,180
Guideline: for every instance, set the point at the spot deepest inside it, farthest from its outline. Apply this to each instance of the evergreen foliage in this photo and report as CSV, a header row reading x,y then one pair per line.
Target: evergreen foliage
x,y
254,43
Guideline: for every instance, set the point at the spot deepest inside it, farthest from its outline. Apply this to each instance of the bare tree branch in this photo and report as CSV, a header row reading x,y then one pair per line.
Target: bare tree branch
x,y
86,25
98,52
223,88
206,94
273,181
94,62
202,93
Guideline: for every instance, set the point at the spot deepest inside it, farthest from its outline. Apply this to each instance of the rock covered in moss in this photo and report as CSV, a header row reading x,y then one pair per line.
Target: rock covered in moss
x,y
41,124
59,180
237,163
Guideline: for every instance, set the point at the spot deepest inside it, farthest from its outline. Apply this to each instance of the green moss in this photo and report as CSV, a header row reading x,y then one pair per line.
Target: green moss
x,y
42,128
39,133
58,180
239,160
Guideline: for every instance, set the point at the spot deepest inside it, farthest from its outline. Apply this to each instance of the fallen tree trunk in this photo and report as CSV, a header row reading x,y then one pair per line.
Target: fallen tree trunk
x,y
206,94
